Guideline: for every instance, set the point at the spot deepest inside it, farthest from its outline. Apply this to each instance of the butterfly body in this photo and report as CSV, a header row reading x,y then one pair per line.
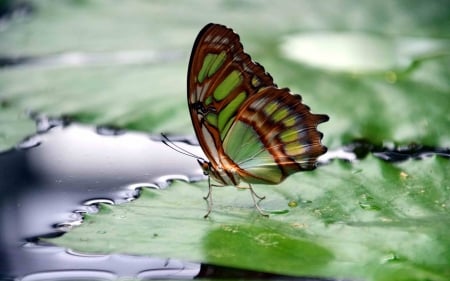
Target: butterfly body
x,y
249,129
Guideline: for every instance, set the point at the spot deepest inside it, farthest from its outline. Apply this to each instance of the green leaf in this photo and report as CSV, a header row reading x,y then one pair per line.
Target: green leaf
x,y
405,100
369,220
15,125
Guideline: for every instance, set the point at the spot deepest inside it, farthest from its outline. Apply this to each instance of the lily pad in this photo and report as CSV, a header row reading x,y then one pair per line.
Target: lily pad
x,y
15,125
369,220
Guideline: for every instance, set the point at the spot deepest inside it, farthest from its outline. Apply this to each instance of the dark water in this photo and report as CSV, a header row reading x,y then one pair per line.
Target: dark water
x,y
51,179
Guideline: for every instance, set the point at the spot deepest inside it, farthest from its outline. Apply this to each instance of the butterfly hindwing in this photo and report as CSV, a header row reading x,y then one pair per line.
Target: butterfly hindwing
x,y
273,136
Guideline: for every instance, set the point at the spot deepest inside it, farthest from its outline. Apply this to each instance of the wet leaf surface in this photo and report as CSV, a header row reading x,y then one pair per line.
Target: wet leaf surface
x,y
370,220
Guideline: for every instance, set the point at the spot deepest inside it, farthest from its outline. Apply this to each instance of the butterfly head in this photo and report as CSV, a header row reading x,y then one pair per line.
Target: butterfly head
x,y
224,176
206,166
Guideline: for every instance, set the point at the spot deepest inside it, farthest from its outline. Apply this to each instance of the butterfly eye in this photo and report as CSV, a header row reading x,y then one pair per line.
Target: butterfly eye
x,y
206,166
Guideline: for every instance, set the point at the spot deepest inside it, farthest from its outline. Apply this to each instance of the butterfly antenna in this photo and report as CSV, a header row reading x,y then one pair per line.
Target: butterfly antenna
x,y
177,148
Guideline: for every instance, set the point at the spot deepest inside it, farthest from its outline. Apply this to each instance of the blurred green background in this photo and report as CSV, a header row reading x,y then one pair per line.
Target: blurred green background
x,y
380,69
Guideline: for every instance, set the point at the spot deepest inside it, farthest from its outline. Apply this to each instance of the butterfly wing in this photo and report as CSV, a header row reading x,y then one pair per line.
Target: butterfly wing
x,y
245,124
273,136
221,77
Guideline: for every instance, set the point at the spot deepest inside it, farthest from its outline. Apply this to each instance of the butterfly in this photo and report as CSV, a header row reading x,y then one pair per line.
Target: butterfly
x,y
249,129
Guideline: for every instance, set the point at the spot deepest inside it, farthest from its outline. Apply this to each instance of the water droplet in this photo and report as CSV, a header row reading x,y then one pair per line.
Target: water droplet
x,y
299,225
391,257
403,175
230,228
268,239
391,77
293,203
367,203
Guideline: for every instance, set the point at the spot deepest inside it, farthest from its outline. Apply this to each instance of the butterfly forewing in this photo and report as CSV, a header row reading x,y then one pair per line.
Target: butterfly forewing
x,y
220,78
248,128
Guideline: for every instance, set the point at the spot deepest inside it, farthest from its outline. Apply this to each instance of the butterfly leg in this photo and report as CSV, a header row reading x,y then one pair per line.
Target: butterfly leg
x,y
208,198
254,196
